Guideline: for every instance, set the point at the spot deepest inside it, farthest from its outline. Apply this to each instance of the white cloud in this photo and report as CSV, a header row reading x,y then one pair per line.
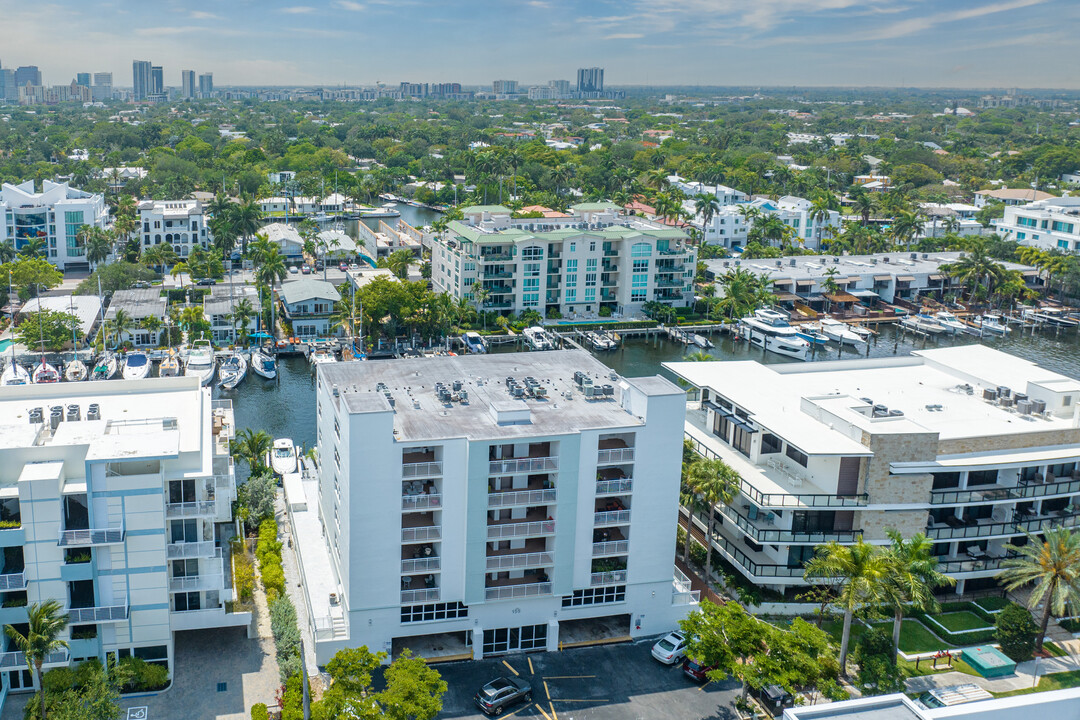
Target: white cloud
x,y
203,15
624,36
349,5
297,10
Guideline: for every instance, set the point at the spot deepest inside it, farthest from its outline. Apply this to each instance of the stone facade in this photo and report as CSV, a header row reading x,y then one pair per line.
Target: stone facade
x,y
1046,438
882,487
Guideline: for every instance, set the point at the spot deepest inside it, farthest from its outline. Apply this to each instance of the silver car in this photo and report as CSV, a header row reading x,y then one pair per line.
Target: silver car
x,y
671,648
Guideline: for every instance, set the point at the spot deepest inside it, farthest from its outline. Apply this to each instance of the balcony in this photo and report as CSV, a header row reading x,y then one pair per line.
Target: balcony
x,y
500,274
971,562
497,257
92,537
757,564
511,498
105,613
990,493
759,530
620,486
614,455
519,561
421,502
681,594
197,583
506,530
669,282
611,517
610,547
411,566
199,508
418,596
13,581
419,534
421,470
15,659
613,577
514,466
527,589
177,551
1067,517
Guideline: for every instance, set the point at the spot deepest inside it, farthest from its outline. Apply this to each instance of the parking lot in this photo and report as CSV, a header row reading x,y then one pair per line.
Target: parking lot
x,y
611,682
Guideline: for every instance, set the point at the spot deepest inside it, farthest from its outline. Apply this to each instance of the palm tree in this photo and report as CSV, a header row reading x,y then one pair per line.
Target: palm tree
x,y
41,639
863,204
242,314
97,244
121,323
743,292
912,577
251,446
399,261
906,228
859,570
480,296
1053,565
181,268
706,206
716,482
271,269
245,220
33,247
819,213
976,270
151,323
7,252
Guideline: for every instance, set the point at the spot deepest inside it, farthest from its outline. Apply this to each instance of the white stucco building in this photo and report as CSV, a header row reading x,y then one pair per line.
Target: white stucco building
x,y
55,214
1051,224
489,504
180,223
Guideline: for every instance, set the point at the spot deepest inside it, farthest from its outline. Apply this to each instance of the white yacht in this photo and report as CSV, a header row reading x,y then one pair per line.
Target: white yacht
x,y
233,370
15,374
136,366
702,342
1050,316
922,324
951,323
474,343
321,355
283,456
840,332
770,329
44,373
263,364
537,338
200,361
994,325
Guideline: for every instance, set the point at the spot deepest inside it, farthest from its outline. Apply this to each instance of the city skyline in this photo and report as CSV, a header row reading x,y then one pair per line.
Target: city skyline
x,y
912,43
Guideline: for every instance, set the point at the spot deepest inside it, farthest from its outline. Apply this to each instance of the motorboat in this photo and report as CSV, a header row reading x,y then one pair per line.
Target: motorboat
x,y
993,324
136,366
106,366
75,371
613,340
538,338
951,323
811,333
45,373
922,324
840,332
15,374
321,355
263,363
474,343
770,329
1050,316
702,342
283,456
201,362
233,370
170,365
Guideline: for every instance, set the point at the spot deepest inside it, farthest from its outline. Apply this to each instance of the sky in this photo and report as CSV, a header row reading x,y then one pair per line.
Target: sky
x,y
882,43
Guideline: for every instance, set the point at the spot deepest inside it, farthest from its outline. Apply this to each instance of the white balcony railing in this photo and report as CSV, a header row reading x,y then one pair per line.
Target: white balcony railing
x,y
105,613
517,591
415,596
13,581
329,628
612,577
612,547
197,583
521,497
16,659
176,551
418,565
421,502
621,486
615,455
611,517
198,508
420,533
519,561
92,537
522,529
523,465
421,469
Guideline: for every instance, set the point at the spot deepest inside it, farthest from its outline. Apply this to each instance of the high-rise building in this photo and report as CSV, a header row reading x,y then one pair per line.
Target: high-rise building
x,y
28,74
504,87
140,79
561,88
9,91
102,86
590,80
55,214
187,84
83,79
206,85
157,80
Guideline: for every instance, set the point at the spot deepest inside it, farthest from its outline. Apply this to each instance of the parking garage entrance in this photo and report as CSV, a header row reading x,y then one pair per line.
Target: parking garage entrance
x,y
594,631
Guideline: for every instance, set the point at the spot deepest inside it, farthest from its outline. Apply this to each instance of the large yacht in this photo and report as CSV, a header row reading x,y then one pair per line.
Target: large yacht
x,y
770,329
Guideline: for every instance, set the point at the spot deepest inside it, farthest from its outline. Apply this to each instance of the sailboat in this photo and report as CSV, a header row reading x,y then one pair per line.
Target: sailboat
x,y
45,373
170,365
233,371
15,374
75,371
107,363
263,363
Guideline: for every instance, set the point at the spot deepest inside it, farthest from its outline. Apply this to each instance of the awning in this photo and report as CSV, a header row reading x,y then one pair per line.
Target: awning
x,y
814,298
709,404
1029,273
882,278
905,278
870,294
854,279
784,296
742,424
938,277
841,297
804,282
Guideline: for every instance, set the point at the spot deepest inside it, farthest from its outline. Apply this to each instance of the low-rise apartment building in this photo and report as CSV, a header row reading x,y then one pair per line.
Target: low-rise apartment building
x,y
116,499
596,258
219,308
970,445
479,505
180,223
308,305
138,305
1051,224
55,215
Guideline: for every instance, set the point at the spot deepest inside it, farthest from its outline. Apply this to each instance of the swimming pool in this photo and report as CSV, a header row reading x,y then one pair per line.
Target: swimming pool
x,y
5,344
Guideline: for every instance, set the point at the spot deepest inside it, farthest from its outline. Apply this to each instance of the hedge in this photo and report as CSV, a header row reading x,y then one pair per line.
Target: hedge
x,y
963,639
268,553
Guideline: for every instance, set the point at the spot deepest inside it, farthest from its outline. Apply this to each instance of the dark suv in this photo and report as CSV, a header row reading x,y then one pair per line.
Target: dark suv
x,y
502,692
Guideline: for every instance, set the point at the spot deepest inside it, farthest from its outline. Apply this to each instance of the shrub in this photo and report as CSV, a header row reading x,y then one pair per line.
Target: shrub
x,y
605,311
878,673
1016,631
144,676
59,679
243,573
273,579
259,712
286,635
292,700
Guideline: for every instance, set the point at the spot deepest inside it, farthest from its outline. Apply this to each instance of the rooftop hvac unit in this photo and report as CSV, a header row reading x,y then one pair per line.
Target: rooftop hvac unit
x,y
1019,396
990,394
609,390
464,396
37,416
880,411
791,262
1003,391
885,259
1038,406
1024,407
779,263
914,256
1005,401
74,413
926,256
836,260
56,416
896,413
93,411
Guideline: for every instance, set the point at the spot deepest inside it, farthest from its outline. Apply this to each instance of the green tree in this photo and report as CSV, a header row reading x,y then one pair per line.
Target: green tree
x,y
270,269
878,673
399,261
31,275
97,244
727,638
911,577
715,482
1052,565
251,446
46,621
119,275
46,330
241,317
1015,631
245,220
255,498
413,690
976,271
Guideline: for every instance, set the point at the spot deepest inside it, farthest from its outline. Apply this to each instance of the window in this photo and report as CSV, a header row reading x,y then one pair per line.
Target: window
x,y
590,265
641,266
1061,226
185,568
639,281
573,248
183,602
503,640
532,269
1027,222
770,444
590,279
590,294
741,440
592,246
571,266
571,295
639,295
433,612
571,281
797,455
641,250
532,253
595,596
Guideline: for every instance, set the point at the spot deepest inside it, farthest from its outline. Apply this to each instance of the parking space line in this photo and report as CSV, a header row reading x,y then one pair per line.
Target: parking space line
x,y
546,691
703,686
520,709
566,677
595,700
511,667
554,715
548,717
531,671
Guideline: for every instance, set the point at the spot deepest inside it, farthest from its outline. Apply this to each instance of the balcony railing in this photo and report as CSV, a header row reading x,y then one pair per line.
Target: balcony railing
x,y
417,565
952,566
13,581
972,531
611,517
612,547
420,533
92,537
991,493
421,502
1035,524
105,613
765,535
607,578
523,465
517,591
197,583
421,469
756,569
206,548
519,561
415,596
521,529
615,455
197,508
521,497
614,487
16,659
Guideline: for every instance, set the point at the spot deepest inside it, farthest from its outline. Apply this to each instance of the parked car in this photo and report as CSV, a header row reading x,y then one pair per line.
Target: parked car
x,y
696,671
306,269
671,648
207,282
343,266
354,266
501,693
293,269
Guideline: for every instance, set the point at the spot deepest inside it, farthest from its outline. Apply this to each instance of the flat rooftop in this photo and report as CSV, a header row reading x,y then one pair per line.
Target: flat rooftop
x,y
808,267
809,403
491,411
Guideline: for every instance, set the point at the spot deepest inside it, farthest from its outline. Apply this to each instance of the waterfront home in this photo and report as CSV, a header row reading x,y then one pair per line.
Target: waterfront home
x,y
138,305
308,305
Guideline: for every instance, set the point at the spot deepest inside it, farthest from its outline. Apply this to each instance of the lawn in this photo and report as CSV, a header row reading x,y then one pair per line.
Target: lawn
x,y
1056,681
914,637
926,667
962,620
990,604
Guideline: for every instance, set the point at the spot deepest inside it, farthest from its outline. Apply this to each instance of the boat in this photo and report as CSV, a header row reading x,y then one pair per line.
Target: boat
x,y
993,324
840,332
75,371
538,338
950,322
106,366
1050,316
474,343
702,342
200,361
45,373
283,456
136,366
321,355
15,374
811,333
769,329
613,340
170,365
922,324
263,363
233,370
